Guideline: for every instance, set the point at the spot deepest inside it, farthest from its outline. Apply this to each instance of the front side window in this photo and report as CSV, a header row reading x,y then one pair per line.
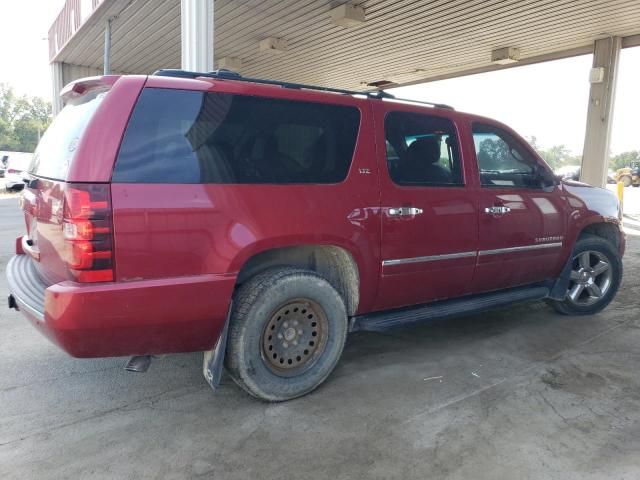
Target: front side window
x,y
178,136
502,160
422,150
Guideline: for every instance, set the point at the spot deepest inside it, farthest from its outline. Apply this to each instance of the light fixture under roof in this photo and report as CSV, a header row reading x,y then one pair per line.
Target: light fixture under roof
x,y
230,63
347,15
380,84
505,55
273,44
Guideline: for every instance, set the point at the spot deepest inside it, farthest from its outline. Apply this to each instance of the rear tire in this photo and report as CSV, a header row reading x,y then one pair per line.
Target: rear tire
x,y
596,273
287,331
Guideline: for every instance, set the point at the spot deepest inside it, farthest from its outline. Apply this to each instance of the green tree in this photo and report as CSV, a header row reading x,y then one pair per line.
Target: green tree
x,y
22,120
556,156
624,159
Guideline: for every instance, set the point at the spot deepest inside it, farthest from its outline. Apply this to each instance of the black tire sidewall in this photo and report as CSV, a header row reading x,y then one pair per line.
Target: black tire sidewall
x,y
250,366
602,246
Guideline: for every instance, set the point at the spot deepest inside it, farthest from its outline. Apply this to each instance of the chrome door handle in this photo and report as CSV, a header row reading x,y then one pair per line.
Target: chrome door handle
x,y
404,211
497,210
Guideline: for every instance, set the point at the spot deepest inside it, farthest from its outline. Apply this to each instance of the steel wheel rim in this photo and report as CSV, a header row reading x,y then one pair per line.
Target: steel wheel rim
x,y
590,278
294,338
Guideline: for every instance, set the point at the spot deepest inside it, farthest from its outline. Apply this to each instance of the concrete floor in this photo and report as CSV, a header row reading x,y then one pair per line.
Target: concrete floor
x,y
521,393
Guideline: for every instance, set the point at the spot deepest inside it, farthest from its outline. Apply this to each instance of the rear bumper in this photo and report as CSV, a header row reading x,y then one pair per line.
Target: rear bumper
x,y
145,317
27,289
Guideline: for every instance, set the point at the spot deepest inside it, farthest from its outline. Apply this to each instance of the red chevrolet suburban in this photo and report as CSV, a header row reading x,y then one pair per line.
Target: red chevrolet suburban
x,y
261,222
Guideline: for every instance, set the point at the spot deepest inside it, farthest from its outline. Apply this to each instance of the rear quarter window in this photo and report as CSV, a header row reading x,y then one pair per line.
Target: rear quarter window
x,y
177,136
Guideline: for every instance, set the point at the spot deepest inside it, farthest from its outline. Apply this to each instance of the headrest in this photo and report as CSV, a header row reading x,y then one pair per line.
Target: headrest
x,y
426,149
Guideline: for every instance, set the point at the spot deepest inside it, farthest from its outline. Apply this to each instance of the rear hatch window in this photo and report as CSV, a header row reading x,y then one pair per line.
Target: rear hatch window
x,y
57,147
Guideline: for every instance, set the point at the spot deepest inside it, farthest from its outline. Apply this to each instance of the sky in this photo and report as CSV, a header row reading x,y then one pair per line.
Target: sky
x,y
24,50
547,100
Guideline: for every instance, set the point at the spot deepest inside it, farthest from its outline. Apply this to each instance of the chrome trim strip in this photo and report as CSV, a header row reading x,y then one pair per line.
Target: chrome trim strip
x,y
430,258
520,249
452,256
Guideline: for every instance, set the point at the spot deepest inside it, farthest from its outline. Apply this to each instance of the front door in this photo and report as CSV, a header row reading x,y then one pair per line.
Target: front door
x,y
521,213
429,218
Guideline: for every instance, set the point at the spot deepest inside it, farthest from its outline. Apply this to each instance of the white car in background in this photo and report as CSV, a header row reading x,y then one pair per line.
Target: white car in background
x,y
3,164
17,166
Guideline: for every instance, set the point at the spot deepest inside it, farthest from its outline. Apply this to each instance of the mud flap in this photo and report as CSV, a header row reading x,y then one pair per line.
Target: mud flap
x,y
214,359
561,285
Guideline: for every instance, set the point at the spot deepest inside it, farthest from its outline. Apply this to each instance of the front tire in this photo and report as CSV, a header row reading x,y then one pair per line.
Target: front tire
x,y
596,272
286,333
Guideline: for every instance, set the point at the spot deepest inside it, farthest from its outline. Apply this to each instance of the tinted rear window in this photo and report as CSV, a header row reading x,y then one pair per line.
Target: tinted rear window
x,y
58,145
177,136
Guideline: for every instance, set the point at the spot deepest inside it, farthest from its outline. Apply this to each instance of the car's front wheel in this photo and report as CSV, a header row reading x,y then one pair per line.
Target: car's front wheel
x,y
596,272
286,333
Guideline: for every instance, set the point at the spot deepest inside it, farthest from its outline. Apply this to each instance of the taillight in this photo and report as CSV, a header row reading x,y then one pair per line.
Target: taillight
x,y
88,232
13,170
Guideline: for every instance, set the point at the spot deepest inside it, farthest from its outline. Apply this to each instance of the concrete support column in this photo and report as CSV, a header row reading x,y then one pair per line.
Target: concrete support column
x,y
197,35
106,64
57,81
595,157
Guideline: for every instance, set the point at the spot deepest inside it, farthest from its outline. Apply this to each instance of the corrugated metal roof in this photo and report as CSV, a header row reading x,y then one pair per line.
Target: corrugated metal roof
x,y
401,40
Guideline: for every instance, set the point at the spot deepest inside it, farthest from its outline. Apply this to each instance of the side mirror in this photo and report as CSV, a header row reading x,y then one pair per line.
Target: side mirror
x,y
547,178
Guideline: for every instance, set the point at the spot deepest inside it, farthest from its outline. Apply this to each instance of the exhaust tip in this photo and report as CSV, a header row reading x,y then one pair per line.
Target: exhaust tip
x,y
12,302
138,364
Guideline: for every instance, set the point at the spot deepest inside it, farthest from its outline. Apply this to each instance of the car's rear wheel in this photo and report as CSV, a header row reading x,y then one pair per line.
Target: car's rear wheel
x,y
286,333
596,271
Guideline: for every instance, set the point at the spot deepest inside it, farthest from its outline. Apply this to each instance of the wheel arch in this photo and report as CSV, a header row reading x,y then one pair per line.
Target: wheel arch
x,y
334,263
608,230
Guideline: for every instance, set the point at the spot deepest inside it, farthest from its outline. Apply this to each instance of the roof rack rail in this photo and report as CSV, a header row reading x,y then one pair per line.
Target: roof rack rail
x,y
381,94
224,74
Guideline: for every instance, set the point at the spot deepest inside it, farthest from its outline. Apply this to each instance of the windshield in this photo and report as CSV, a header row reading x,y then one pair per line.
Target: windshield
x,y
59,143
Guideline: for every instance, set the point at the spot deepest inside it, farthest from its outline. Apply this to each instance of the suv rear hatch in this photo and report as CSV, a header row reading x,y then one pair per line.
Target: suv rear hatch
x,y
68,224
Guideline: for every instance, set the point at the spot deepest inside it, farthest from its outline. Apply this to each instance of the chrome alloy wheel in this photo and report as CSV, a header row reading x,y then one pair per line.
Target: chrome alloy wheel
x,y
294,338
590,278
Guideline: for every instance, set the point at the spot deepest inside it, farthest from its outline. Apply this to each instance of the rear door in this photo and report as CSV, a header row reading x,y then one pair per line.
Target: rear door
x,y
521,213
429,215
206,179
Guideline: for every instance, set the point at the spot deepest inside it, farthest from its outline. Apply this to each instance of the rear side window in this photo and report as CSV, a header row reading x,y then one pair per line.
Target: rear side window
x,y
60,142
422,150
177,136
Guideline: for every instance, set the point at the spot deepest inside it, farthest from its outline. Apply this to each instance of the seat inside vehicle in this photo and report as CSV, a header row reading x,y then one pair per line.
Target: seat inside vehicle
x,y
422,163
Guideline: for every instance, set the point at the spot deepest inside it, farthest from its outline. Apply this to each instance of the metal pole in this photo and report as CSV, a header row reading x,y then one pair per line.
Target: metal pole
x,y
57,81
107,47
197,34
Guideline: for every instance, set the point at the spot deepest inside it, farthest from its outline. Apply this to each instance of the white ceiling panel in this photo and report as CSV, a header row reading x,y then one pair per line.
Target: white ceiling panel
x,y
402,41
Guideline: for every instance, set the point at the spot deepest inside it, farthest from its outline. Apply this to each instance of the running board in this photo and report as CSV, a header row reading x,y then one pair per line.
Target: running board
x,y
382,321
